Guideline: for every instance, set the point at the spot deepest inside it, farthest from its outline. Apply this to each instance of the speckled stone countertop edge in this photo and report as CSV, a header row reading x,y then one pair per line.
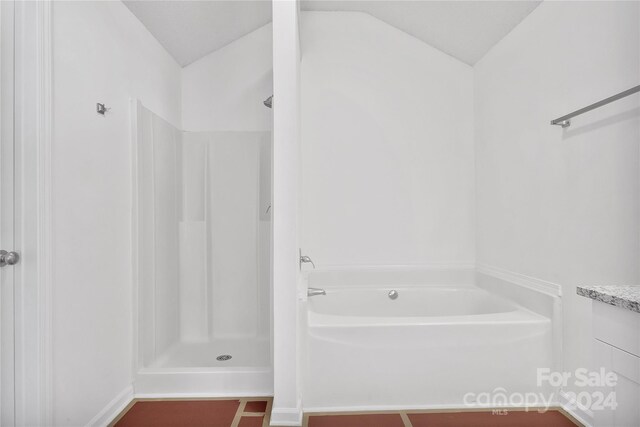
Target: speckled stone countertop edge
x,y
627,297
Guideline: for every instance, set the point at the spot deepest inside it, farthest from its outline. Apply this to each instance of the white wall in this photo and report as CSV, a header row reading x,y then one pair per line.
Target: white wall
x,y
101,53
562,205
286,162
387,146
225,89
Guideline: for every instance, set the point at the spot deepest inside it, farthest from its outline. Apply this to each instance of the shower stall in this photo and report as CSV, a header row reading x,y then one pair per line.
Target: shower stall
x,y
202,219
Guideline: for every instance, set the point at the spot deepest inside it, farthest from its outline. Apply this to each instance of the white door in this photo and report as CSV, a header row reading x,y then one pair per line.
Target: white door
x,y
7,235
25,319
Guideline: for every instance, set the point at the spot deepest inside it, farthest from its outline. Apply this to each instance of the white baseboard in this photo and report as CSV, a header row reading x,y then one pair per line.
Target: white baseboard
x,y
409,408
113,408
549,288
286,416
580,413
200,395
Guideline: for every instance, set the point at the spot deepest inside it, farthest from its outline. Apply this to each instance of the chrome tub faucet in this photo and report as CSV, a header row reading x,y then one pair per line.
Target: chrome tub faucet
x,y
305,259
312,292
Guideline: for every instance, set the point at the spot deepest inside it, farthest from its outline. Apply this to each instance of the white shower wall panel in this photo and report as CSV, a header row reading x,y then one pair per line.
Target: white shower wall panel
x,y
166,191
194,164
146,246
195,317
159,182
203,202
194,306
233,183
225,213
264,234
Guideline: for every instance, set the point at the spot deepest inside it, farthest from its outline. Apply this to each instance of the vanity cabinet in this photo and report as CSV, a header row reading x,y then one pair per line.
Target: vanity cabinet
x,y
617,349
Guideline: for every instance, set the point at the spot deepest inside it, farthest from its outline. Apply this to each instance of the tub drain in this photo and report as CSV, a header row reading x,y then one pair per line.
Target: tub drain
x,y
223,357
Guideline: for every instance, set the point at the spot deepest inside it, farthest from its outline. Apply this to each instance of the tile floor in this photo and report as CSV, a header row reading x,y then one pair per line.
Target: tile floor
x,y
255,412
442,419
244,412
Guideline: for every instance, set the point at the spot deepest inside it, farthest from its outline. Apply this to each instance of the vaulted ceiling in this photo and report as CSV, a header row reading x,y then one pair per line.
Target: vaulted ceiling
x,y
189,30
465,30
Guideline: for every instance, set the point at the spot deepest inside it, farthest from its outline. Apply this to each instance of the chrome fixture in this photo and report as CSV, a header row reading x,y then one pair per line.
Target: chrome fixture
x,y
393,294
312,292
565,121
8,258
268,102
101,109
305,259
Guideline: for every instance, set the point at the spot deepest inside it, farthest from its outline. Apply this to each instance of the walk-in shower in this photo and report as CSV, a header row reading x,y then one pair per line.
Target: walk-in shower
x,y
203,264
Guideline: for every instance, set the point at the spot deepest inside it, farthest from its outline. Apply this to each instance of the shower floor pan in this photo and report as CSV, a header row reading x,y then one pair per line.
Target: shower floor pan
x,y
193,370
198,355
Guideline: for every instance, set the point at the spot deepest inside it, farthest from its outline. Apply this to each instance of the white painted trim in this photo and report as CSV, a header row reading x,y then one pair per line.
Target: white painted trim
x,y
582,414
404,408
7,113
135,278
45,226
548,288
113,408
206,370
286,416
199,395
33,126
284,221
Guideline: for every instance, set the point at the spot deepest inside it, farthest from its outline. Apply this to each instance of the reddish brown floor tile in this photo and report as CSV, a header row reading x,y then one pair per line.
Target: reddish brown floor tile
x,y
368,420
250,422
257,406
210,413
487,419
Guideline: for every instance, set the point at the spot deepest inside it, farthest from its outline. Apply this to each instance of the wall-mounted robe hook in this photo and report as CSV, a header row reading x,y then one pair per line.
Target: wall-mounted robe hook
x,y
101,109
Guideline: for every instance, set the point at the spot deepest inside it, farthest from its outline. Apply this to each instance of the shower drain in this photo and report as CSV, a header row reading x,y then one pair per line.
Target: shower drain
x,y
223,357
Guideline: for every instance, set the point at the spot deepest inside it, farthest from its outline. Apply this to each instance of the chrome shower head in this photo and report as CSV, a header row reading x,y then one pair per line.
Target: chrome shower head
x,y
268,102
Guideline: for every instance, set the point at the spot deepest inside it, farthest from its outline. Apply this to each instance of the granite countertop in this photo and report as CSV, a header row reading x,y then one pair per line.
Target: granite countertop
x,y
621,296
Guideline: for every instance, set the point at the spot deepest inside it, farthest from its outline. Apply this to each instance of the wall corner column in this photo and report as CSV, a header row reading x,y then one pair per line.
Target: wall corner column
x,y
287,409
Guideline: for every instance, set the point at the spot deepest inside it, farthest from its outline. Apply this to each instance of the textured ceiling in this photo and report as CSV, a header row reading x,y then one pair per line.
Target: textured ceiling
x,y
189,30
466,30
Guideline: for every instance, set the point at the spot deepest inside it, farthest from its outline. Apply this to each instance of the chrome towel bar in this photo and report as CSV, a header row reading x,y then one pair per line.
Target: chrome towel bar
x,y
565,121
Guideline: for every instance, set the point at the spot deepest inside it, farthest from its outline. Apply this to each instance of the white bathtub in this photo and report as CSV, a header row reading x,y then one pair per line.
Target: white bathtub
x,y
413,306
425,349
